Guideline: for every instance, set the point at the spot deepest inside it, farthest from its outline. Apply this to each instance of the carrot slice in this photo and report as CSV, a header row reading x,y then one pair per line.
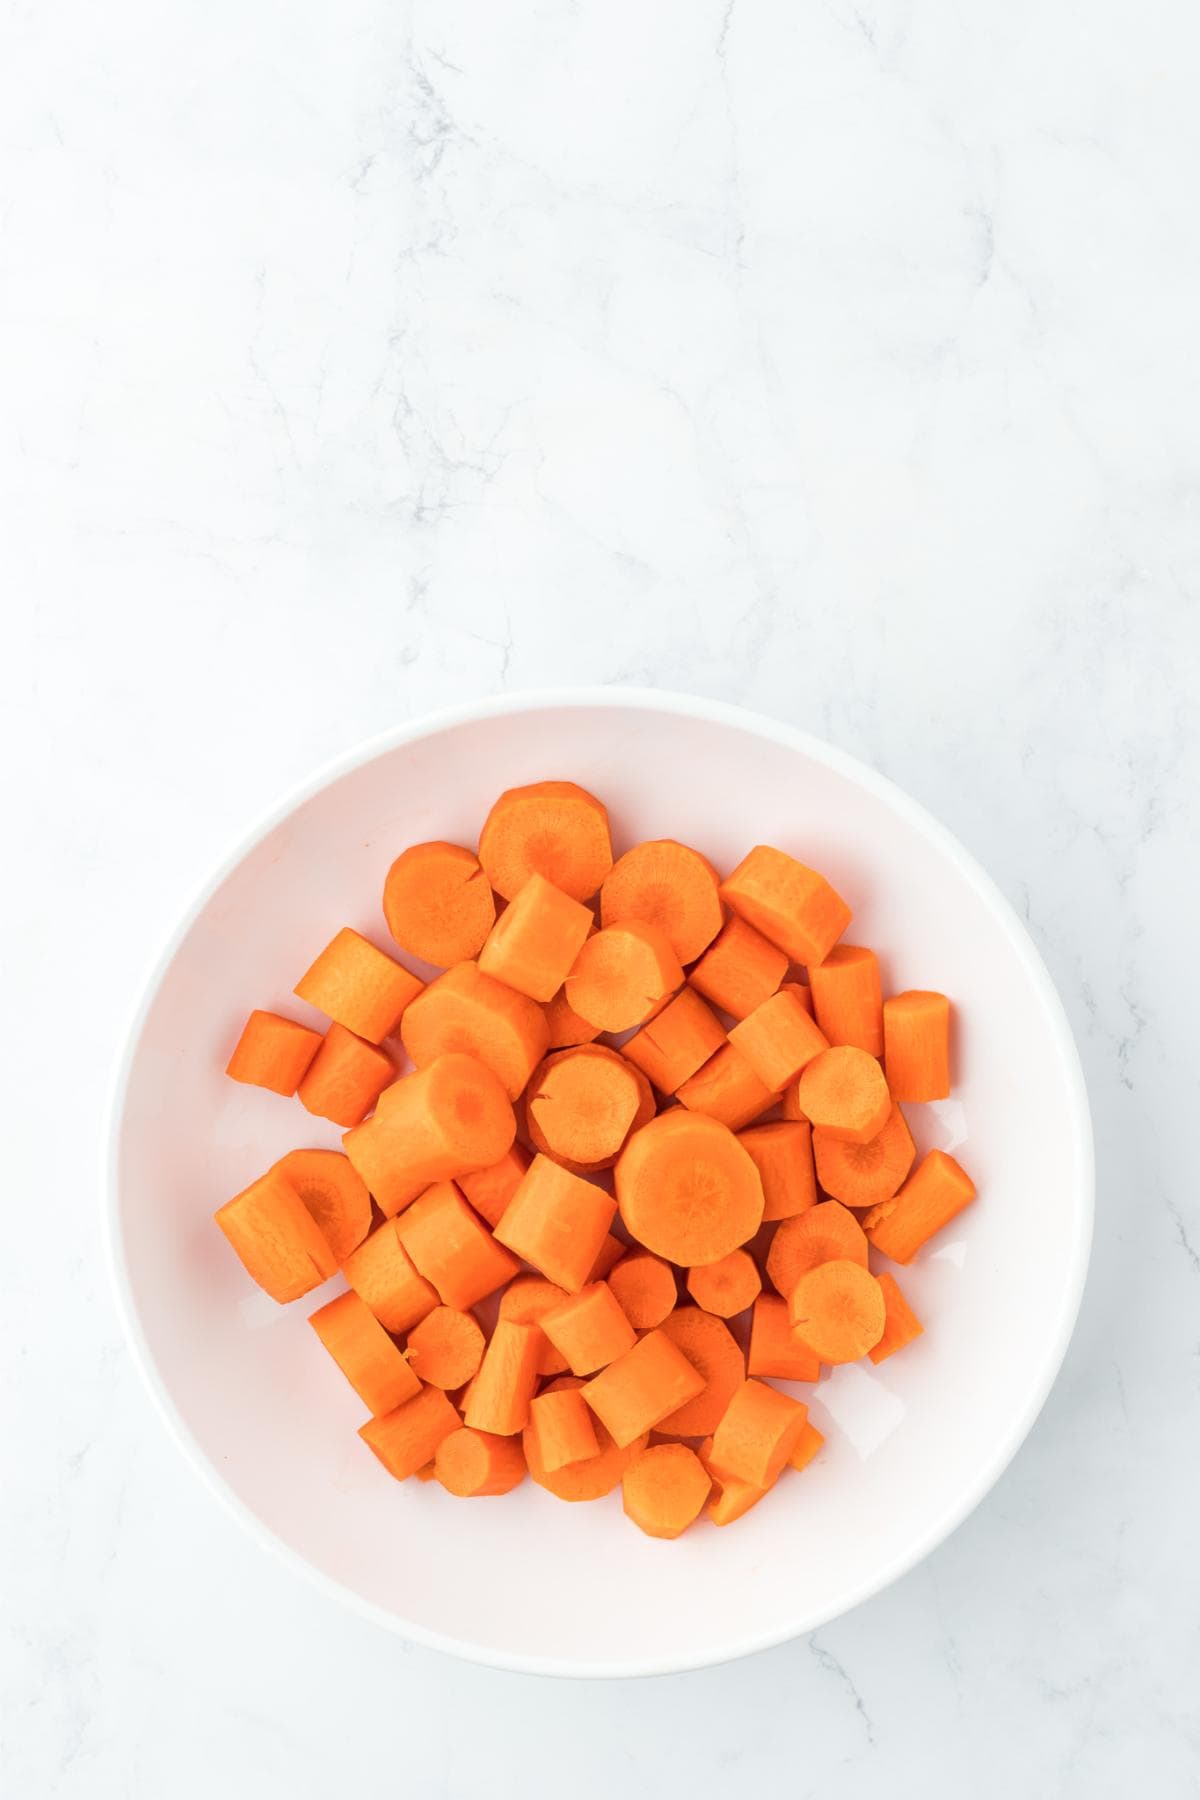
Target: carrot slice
x,y
446,1348
664,1489
622,975
726,1287
596,1475
438,904
731,1499
526,1301
686,1188
774,1349
563,1426
807,1446
582,1103
345,1077
472,1464
934,1194
900,1324
866,1174
359,985
453,1248
713,1352
783,1156
848,998
825,1233
757,1434
381,1272
790,904
589,1329
790,1109
564,1024
490,1190
676,1042
838,1310
373,1365
507,1380
335,1196
468,1011
916,1045
610,1251
739,970
645,1288
407,1438
534,943
550,828
557,1221
667,884
779,1038
278,1241
844,1093
451,1116
727,1089
273,1052
641,1387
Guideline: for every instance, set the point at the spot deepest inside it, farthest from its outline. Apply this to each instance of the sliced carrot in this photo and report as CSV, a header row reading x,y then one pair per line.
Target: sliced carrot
x,y
676,1042
710,1347
534,943
273,1052
779,1038
790,1109
381,1272
645,1288
526,1301
757,1434
934,1194
430,1126
838,1310
472,1464
731,1499
686,1188
453,1248
844,1093
739,970
790,904
783,1156
803,993
666,884
727,1088
468,1011
490,1190
564,1428
641,1387
610,1252
622,975
594,1476
557,1221
774,1350
507,1380
848,998
900,1325
807,1446
446,1348
589,1329
916,1045
550,828
825,1233
359,985
345,1077
280,1244
581,1104
866,1174
334,1194
664,1489
407,1438
726,1287
438,904
564,1024
374,1366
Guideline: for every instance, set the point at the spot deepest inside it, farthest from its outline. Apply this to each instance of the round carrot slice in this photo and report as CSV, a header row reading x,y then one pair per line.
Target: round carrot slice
x,y
839,1311
843,1092
526,1301
665,883
645,1287
711,1348
472,1463
333,1193
622,976
551,828
596,1475
466,1010
664,1489
564,1024
438,904
727,1287
865,1174
686,1188
446,1348
825,1233
581,1104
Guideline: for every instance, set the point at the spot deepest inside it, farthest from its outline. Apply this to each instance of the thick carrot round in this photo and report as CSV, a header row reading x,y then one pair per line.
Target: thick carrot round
x,y
472,1464
526,1301
865,1174
446,1348
779,1038
278,1241
782,1153
407,1438
645,1288
916,1045
687,1190
499,1396
490,1190
591,1478
641,1387
581,1105
934,1193
453,1248
438,904
758,1433
774,1348
468,1011
564,1427
825,1233
664,1489
838,1310
900,1325
739,970
727,1088
844,1093
790,904
550,828
564,1025
334,1194
713,1352
360,986
382,1273
622,975
676,1042
534,943
345,1077
589,1329
430,1126
557,1221
273,1052
848,998
665,883
374,1366
727,1287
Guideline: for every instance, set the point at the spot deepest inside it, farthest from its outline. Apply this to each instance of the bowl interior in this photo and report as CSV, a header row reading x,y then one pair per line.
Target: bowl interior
x,y
526,1580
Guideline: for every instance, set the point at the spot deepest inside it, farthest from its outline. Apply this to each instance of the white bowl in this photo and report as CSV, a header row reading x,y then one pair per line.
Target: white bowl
x,y
527,1582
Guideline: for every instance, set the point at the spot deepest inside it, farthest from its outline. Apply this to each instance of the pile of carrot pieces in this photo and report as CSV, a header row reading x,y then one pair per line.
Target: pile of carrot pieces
x,y
583,1254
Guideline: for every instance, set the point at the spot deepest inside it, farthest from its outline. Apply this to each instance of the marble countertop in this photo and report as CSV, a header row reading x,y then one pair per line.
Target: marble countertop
x,y
835,359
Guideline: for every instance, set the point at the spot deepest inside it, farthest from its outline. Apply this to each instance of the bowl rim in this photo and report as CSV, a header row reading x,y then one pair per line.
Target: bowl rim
x,y
647,699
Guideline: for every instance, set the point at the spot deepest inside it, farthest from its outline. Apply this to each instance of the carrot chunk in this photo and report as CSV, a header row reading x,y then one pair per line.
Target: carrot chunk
x,y
865,1174
610,1252
666,884
779,1038
676,1042
564,1025
582,1103
727,1088
273,1052
790,904
472,1464
507,1380
757,1434
557,1221
345,1077
934,1193
645,1288
535,941
900,1324
280,1244
687,1190
807,1446
451,1116
490,1190
381,1272
550,828
526,1301
373,1365
438,904
837,1309
726,1287
774,1350
593,1476
916,1045
622,975
825,1233
469,1011
563,1427
407,1438
782,1154
453,1248
641,1387
844,1093
446,1348
334,1194
848,998
739,970
664,1489
713,1352
360,986
589,1329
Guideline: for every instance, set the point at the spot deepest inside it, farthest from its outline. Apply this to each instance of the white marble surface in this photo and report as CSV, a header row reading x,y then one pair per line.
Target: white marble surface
x,y
835,358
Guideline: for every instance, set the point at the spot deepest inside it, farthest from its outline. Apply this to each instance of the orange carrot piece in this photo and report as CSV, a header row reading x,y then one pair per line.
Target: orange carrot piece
x,y
428,1473
727,1088
838,1310
280,1244
934,1194
900,1324
374,1366
686,1188
345,1077
726,1287
739,970
589,1329
844,1093
782,1154
336,1197
453,1248
431,1126
446,1348
641,1387
804,995
468,1011
757,1434
472,1464
438,904
714,1353
848,999
645,1288
790,904
563,1427
779,1038
359,985
507,1380
610,1252
773,1349
557,1221
593,1476
581,1105
622,975
916,1045
731,1499
664,1490
381,1272
665,883
790,1109
866,1174
407,1438
490,1190
825,1233
807,1445
550,828
273,1052
534,943
526,1301
564,1024
676,1042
